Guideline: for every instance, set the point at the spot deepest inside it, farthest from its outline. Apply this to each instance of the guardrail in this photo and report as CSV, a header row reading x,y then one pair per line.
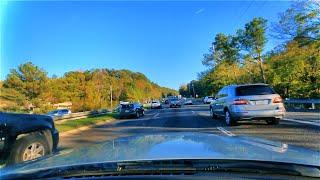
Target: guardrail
x,y
79,115
302,103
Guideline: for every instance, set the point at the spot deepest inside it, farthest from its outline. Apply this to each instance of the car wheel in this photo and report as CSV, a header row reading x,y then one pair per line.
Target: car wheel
x,y
28,148
137,114
274,121
212,114
142,113
228,118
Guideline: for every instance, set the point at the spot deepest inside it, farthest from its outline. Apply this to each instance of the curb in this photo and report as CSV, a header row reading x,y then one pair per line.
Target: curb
x,y
83,128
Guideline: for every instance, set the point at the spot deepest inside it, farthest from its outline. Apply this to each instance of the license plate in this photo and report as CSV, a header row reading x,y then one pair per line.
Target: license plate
x,y
126,111
261,102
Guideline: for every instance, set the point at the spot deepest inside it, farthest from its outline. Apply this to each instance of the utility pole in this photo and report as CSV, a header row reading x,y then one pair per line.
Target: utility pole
x,y
111,97
194,93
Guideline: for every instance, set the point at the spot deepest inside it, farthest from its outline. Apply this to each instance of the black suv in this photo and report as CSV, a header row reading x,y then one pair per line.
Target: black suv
x,y
25,137
131,110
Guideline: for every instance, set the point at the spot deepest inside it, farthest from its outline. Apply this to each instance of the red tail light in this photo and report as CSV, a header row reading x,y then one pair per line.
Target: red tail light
x,y
277,100
240,102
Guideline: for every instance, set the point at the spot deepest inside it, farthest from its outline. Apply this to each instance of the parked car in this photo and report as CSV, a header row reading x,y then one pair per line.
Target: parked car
x,y
208,99
175,103
25,137
156,105
248,102
188,102
131,110
59,112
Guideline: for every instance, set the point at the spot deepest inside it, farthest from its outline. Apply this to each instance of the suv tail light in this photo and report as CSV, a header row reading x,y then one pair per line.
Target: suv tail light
x,y
240,102
277,100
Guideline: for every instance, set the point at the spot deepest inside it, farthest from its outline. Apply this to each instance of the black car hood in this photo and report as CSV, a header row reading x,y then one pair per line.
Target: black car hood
x,y
182,145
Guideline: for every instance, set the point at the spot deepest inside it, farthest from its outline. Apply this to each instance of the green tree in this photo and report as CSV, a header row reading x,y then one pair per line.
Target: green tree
x,y
294,73
253,40
28,79
87,90
184,90
301,22
225,49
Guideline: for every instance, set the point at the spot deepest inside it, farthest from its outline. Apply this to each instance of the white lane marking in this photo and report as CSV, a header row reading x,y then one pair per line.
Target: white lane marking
x,y
193,112
302,122
156,115
225,131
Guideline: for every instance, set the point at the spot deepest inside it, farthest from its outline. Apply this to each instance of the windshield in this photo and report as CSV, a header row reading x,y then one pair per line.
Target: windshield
x,y
101,81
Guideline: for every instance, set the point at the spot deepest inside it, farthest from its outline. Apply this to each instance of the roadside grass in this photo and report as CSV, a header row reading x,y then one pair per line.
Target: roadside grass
x,y
147,106
74,124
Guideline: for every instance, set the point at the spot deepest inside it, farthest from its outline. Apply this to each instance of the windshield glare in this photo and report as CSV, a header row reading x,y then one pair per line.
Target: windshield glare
x,y
84,82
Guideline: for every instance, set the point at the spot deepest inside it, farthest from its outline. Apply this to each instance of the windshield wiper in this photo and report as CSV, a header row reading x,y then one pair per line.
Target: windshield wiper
x,y
170,167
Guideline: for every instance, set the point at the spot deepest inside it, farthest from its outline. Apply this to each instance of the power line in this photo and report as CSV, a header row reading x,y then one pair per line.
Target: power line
x,y
243,13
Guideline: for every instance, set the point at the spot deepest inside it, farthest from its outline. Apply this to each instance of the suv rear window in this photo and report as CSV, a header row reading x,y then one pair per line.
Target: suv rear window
x,y
127,106
254,90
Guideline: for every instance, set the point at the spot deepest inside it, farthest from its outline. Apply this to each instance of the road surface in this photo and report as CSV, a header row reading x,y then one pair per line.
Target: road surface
x,y
195,118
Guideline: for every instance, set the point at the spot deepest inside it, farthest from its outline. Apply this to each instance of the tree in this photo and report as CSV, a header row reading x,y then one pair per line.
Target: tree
x,y
183,90
253,40
301,22
225,49
294,73
28,79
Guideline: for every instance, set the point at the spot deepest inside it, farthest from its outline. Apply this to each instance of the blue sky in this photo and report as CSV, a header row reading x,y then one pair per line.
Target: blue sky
x,y
163,40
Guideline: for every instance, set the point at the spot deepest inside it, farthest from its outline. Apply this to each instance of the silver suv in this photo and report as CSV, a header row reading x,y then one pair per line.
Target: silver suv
x,y
248,102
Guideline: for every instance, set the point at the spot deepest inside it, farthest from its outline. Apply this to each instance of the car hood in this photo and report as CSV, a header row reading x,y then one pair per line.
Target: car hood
x,y
182,145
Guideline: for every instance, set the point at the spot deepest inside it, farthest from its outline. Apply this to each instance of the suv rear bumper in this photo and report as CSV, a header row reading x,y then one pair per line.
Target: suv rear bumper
x,y
156,107
257,114
127,114
175,105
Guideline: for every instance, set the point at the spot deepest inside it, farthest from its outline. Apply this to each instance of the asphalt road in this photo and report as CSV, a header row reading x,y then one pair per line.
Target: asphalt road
x,y
195,118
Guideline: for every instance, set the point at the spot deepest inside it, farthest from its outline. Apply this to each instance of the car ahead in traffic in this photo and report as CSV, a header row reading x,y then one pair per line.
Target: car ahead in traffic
x,y
174,103
59,112
208,99
156,105
188,102
128,110
248,102
188,155
25,137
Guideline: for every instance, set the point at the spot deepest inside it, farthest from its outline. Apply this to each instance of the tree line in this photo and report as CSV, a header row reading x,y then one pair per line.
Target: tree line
x,y
292,67
29,85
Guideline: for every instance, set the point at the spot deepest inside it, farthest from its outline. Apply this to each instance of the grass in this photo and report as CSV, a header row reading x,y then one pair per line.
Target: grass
x,y
147,106
74,124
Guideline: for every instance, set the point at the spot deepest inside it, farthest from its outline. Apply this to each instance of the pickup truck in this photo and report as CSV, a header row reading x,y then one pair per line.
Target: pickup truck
x,y
25,137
